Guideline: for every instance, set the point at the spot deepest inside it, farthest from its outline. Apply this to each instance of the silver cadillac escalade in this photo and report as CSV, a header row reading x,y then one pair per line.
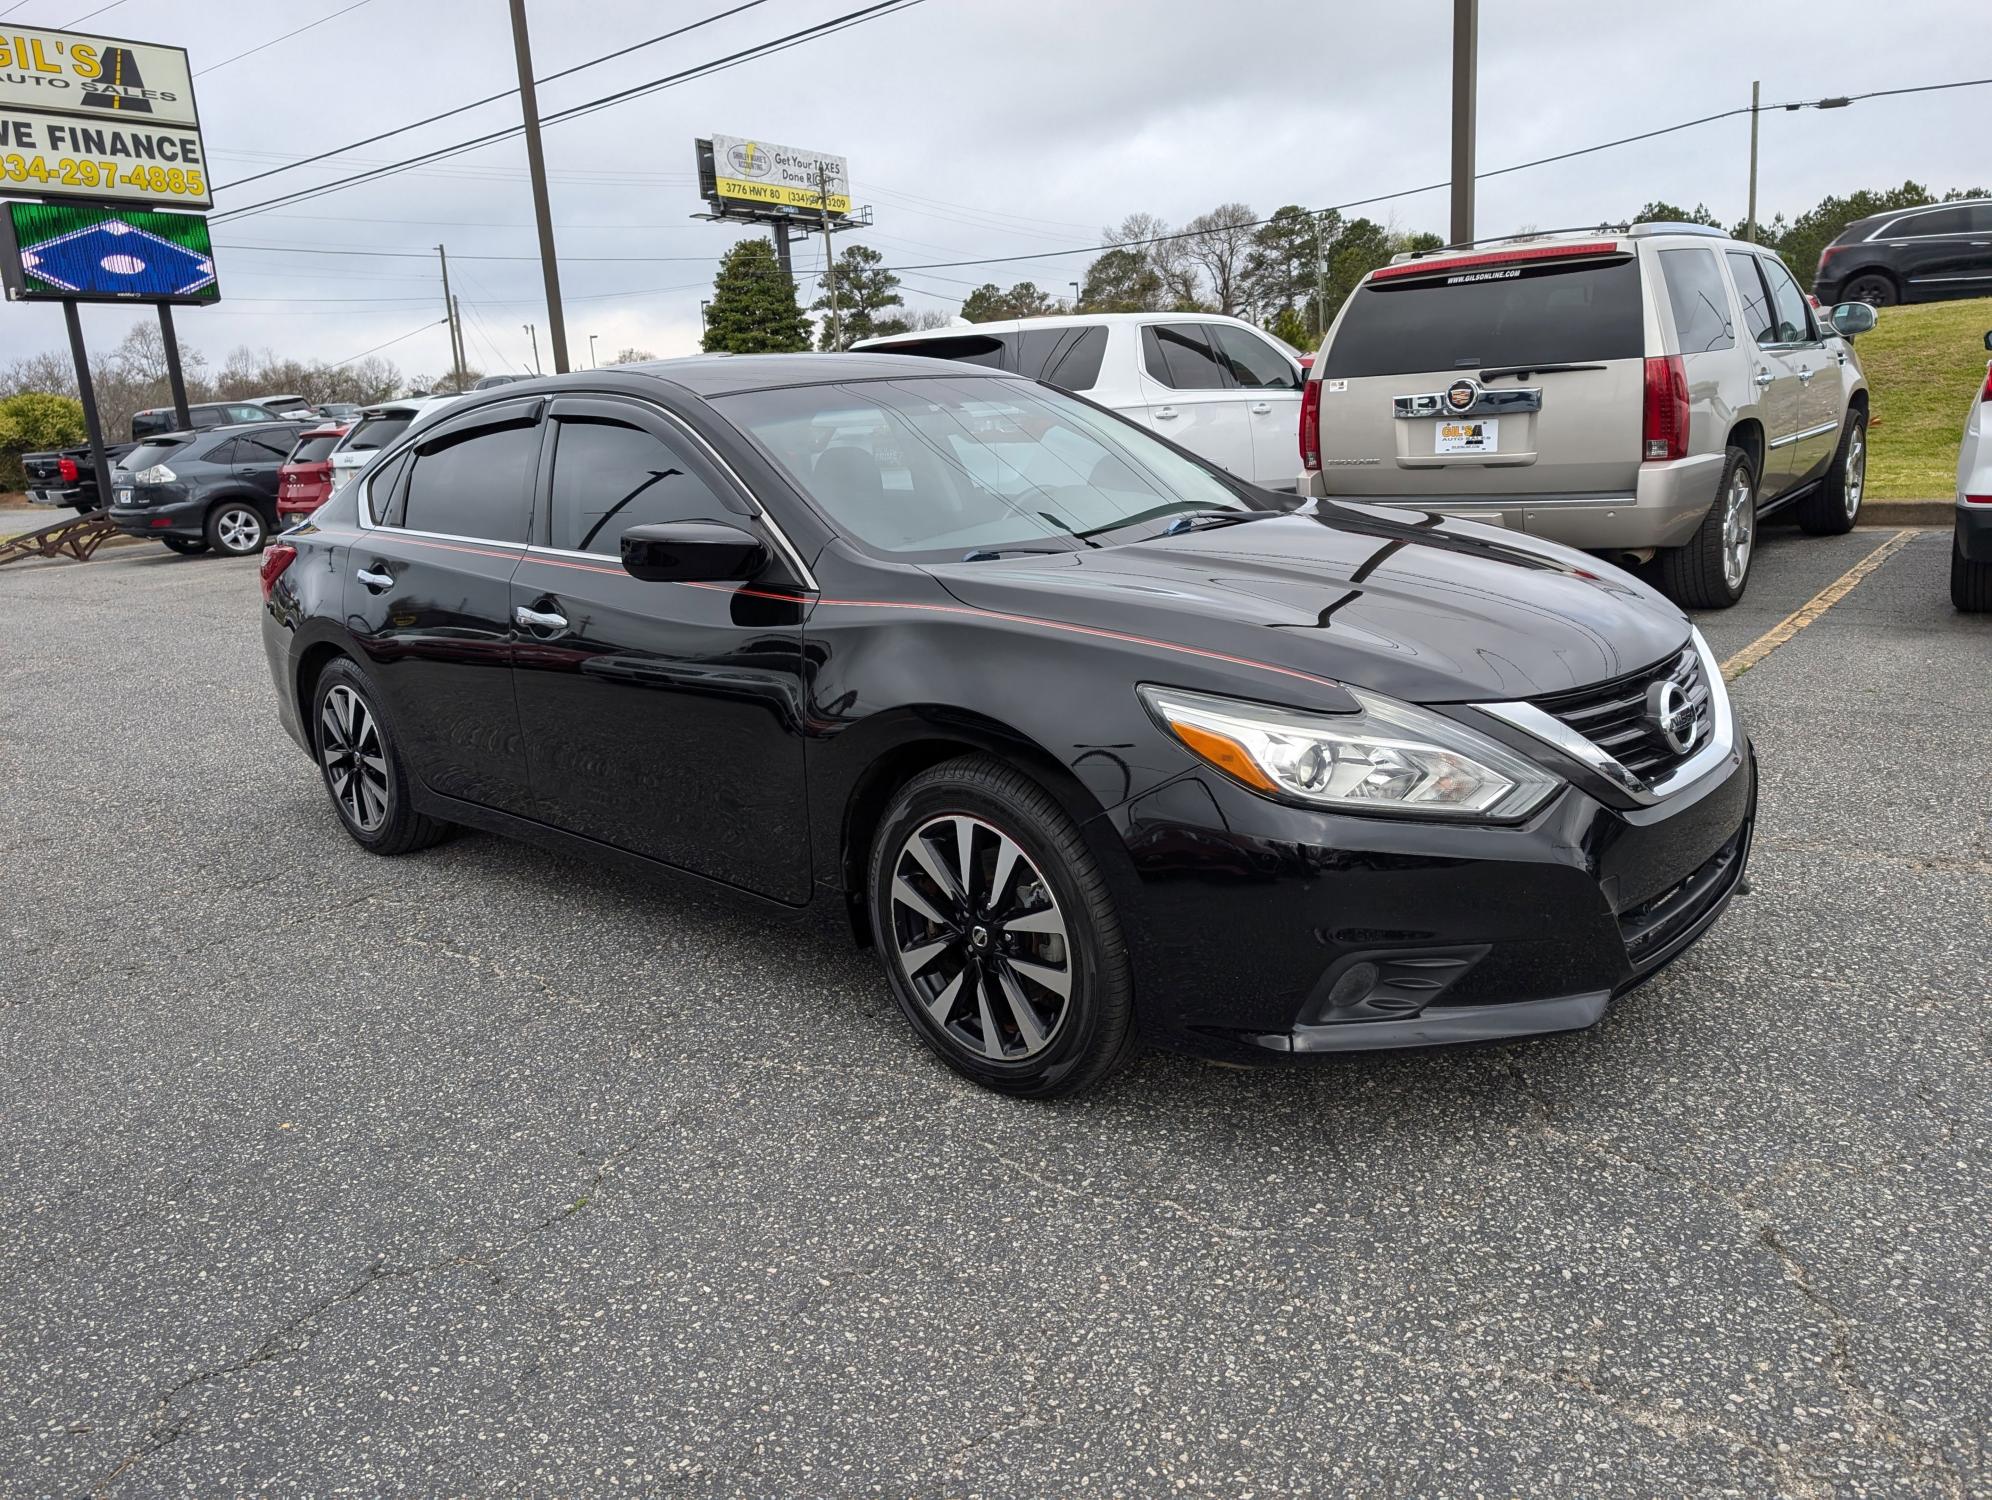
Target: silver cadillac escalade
x,y
1648,393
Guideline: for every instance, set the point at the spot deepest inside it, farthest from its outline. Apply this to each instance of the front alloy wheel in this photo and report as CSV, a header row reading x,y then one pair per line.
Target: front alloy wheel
x,y
999,936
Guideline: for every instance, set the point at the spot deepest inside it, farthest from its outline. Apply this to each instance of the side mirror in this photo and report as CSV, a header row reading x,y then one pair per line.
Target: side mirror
x,y
692,552
1988,341
1850,318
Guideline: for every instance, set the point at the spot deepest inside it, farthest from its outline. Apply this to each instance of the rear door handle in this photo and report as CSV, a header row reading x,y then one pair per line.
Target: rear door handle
x,y
1165,413
539,619
1764,378
1260,408
376,578
1805,376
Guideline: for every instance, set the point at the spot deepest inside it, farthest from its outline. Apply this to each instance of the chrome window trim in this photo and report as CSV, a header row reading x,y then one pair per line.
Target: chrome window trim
x,y
1802,435
1553,731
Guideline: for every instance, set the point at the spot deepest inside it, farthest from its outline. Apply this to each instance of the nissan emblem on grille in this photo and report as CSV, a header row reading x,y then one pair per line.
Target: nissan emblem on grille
x,y
1672,716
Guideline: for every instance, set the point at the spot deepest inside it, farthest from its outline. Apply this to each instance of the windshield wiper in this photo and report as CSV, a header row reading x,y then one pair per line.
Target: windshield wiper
x,y
1527,370
1197,520
992,554
1156,513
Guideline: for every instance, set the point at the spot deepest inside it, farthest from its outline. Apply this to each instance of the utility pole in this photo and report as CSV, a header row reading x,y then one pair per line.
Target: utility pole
x,y
1466,48
1750,224
533,334
1320,273
829,265
593,363
450,315
556,322
456,313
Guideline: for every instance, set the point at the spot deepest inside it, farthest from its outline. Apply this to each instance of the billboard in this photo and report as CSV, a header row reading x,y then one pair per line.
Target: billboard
x,y
766,175
50,251
85,116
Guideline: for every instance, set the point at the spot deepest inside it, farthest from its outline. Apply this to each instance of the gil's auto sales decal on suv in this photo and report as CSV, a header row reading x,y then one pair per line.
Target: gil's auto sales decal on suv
x,y
1507,275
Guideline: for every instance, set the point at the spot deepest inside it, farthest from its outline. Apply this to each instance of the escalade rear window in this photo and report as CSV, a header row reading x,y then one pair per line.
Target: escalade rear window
x,y
1554,314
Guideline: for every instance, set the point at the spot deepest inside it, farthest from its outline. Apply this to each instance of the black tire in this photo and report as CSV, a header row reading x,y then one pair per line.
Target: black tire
x,y
963,999
237,528
1696,576
375,807
1875,288
186,546
1833,508
1971,582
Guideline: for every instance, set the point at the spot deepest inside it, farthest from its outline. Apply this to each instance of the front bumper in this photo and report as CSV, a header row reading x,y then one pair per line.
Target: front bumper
x,y
1666,505
1264,932
1974,532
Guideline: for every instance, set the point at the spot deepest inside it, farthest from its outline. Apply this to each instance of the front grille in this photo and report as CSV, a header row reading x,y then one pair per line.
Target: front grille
x,y
1651,929
1614,717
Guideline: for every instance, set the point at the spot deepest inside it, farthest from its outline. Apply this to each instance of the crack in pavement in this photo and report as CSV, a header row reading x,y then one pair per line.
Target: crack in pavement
x,y
1181,1210
1874,1425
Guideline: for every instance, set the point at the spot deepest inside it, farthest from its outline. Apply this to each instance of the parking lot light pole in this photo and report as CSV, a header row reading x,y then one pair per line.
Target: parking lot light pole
x,y
593,363
1466,47
556,321
1750,222
533,334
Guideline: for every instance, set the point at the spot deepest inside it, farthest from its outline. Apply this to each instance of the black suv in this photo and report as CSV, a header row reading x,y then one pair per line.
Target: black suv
x,y
200,490
1929,254
155,421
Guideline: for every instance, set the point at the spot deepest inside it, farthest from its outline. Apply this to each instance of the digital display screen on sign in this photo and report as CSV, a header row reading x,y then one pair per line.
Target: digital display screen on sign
x,y
56,250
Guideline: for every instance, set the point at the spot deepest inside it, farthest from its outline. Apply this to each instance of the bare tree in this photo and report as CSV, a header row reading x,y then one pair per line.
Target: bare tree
x,y
1220,244
1166,253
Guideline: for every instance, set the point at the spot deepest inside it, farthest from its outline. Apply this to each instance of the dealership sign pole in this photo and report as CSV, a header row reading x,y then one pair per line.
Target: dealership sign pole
x,y
102,132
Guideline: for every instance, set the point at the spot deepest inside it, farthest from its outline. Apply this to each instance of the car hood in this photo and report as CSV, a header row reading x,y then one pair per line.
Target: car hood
x,y
1422,608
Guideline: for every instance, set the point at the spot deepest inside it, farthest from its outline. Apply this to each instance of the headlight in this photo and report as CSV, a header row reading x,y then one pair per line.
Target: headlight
x,y
157,474
1388,758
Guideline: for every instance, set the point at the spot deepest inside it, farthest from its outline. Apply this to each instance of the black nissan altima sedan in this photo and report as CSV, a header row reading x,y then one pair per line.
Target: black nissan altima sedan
x,y
1094,743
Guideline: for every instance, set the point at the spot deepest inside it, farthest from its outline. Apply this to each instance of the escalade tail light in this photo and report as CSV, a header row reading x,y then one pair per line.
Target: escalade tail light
x,y
1665,431
67,471
1310,426
1984,395
276,557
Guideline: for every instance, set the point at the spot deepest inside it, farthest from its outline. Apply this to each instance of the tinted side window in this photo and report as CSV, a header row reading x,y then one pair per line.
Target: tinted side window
x,y
1037,347
968,349
1178,355
248,414
206,416
381,491
1078,368
1750,292
1943,221
263,448
609,476
1792,317
474,483
222,452
1701,302
1252,361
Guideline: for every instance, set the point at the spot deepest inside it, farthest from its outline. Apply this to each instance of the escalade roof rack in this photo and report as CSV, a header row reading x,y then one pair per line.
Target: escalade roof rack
x,y
1677,226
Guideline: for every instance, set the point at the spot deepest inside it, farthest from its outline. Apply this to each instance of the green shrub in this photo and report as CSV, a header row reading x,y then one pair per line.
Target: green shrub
x,y
31,423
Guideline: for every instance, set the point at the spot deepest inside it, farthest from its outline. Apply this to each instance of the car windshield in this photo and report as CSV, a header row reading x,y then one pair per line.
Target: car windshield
x,y
944,468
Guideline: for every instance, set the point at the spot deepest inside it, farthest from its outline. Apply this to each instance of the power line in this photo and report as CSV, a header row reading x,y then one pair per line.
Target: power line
x,y
424,328
264,46
492,98
762,49
67,25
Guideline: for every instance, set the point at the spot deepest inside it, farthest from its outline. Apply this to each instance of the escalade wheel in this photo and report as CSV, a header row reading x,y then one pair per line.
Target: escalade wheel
x,y
235,529
1713,569
1836,504
363,773
1971,582
998,934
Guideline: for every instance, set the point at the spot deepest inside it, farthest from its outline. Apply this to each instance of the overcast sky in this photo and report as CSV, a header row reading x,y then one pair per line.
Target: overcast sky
x,y
979,128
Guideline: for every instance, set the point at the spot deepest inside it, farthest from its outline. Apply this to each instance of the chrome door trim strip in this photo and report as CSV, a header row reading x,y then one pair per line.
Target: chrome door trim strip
x,y
1553,731
1809,432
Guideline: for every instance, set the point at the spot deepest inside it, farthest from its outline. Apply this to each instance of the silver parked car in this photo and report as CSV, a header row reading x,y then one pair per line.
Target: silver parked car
x,y
1644,393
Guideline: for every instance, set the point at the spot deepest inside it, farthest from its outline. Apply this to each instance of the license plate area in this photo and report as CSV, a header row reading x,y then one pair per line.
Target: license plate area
x,y
1467,435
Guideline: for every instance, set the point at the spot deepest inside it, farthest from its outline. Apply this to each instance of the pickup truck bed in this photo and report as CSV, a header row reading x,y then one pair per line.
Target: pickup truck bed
x,y
47,486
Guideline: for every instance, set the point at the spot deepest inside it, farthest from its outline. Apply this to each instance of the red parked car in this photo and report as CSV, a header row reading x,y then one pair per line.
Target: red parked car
x,y
305,481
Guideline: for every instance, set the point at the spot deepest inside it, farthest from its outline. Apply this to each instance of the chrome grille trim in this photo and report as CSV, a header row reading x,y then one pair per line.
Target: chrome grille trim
x,y
1719,747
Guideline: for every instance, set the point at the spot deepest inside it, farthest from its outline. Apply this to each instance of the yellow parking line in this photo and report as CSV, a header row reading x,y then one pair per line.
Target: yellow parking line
x,y
1816,606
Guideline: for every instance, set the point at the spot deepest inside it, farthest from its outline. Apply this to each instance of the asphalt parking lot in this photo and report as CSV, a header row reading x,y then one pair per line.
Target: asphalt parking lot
x,y
483,1171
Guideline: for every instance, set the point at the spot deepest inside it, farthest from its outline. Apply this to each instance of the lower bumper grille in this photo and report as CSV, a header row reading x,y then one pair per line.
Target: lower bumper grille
x,y
1653,930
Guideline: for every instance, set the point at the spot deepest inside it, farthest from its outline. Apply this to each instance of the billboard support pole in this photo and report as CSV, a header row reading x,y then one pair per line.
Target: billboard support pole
x,y
174,377
556,320
87,393
829,265
780,229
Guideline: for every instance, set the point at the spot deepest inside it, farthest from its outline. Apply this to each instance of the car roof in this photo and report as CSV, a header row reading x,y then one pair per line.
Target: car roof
x,y
725,374
184,436
1049,320
1904,213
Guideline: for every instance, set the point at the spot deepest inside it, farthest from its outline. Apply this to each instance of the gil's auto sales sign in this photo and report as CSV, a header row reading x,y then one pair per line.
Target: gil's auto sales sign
x,y
86,116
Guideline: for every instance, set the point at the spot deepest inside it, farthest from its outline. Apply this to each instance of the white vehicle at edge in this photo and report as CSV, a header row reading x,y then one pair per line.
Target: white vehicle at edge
x,y
1224,389
1971,538
373,429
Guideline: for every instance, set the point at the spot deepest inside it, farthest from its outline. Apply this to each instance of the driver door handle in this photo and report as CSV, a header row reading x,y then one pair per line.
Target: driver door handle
x,y
1805,375
377,579
1764,378
1165,413
1260,408
537,619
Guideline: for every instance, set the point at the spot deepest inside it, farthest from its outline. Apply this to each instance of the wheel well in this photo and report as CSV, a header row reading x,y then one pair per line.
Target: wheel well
x,y
874,790
316,659
1858,402
1749,436
1882,271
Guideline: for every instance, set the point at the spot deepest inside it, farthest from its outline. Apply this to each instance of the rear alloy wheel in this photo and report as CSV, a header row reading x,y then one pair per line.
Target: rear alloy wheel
x,y
1873,288
1971,582
363,773
998,934
235,528
1713,569
186,546
1834,507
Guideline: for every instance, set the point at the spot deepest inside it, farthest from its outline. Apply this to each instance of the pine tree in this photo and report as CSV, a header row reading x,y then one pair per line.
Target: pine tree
x,y
864,289
753,307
